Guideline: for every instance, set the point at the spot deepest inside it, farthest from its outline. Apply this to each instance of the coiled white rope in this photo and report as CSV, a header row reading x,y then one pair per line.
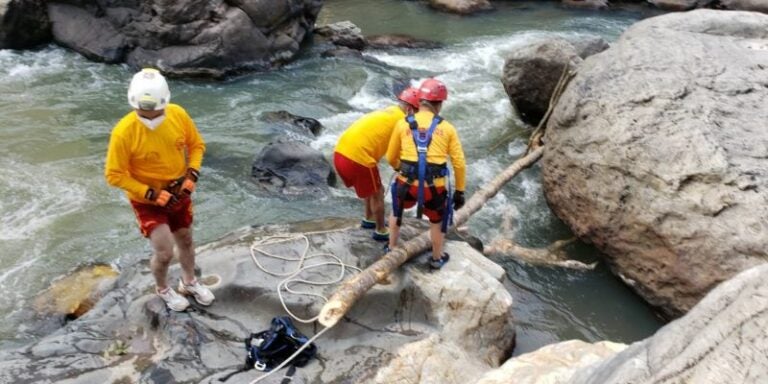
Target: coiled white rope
x,y
292,277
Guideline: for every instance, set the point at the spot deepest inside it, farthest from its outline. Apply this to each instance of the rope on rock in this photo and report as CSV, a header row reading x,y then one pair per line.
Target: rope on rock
x,y
292,277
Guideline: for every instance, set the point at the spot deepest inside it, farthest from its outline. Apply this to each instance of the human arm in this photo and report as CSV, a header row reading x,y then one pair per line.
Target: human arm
x,y
393,150
117,167
456,153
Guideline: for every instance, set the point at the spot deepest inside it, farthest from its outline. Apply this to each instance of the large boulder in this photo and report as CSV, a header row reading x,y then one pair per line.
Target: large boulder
x,y
658,154
23,24
531,73
130,337
722,340
342,34
186,38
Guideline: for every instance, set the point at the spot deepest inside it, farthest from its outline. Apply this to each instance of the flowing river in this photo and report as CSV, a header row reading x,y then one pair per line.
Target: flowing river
x,y
57,110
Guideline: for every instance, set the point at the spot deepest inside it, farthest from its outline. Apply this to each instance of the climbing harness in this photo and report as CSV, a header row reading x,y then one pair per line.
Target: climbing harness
x,y
424,173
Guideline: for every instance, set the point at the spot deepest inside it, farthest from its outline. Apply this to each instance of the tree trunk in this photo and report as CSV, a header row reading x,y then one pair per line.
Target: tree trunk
x,y
354,288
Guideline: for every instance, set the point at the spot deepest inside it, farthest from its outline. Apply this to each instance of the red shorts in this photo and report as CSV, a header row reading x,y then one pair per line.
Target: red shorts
x,y
366,181
150,216
434,206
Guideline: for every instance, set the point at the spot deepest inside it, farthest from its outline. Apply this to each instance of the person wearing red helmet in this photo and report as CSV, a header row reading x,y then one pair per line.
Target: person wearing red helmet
x,y
419,149
359,150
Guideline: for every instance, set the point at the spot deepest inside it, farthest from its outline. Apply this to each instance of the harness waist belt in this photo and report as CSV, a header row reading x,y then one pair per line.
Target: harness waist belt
x,y
410,169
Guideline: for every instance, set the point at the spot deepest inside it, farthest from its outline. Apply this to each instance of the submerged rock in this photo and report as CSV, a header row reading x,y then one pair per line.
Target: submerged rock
x,y
400,40
657,153
285,120
462,310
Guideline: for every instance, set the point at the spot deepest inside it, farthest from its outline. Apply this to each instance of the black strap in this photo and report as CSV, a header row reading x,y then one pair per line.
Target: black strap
x,y
288,377
241,370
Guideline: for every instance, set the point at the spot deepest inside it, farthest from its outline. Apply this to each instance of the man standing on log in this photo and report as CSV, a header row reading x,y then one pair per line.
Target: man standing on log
x,y
419,148
154,155
359,150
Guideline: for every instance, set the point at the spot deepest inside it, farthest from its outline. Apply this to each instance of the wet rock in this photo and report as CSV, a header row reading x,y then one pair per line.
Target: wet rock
x,y
344,34
588,45
285,120
656,153
76,293
531,73
745,5
342,52
186,38
23,24
551,364
400,41
292,167
587,4
462,7
721,340
130,336
679,5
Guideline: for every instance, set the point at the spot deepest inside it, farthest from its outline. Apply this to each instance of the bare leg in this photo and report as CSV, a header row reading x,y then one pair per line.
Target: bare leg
x,y
394,231
161,240
186,247
368,208
377,206
436,234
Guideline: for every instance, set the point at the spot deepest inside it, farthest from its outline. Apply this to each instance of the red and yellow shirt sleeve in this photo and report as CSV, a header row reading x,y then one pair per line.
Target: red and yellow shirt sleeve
x,y
445,144
365,141
140,158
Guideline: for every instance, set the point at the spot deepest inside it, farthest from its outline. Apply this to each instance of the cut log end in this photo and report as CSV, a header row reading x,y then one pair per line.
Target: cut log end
x,y
331,313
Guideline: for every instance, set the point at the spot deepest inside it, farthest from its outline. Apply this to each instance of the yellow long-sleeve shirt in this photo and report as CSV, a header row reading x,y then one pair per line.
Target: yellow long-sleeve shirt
x,y
140,158
445,144
365,141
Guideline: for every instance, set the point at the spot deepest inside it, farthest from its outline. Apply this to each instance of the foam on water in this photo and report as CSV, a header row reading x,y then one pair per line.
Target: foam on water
x,y
32,203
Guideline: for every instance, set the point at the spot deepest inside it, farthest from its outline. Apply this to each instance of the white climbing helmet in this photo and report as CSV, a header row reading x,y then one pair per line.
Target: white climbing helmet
x,y
149,91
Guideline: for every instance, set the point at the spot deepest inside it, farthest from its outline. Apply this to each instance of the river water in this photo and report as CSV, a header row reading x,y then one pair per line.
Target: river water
x,y
56,211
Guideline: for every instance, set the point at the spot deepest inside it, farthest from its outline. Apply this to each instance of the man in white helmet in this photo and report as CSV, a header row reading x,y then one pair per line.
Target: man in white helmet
x,y
154,155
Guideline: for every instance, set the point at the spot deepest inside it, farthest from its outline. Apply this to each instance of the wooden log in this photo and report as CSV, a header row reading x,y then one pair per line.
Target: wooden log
x,y
355,287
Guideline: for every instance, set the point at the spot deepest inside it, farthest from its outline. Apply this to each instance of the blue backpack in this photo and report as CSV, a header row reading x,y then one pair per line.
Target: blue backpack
x,y
268,349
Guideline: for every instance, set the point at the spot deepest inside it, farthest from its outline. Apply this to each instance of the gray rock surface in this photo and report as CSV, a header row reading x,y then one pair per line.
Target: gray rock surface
x,y
552,364
462,7
658,153
531,74
722,340
186,38
343,34
746,5
292,167
680,5
23,24
130,336
399,40
587,4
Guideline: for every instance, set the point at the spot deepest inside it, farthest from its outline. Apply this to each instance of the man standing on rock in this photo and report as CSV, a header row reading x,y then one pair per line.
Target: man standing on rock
x,y
419,148
359,150
154,155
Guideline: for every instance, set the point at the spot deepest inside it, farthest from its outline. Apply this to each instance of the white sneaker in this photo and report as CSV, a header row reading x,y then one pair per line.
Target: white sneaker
x,y
200,292
173,300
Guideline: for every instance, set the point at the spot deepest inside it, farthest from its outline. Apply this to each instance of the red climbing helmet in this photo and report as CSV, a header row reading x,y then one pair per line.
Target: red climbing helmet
x,y
411,96
433,90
